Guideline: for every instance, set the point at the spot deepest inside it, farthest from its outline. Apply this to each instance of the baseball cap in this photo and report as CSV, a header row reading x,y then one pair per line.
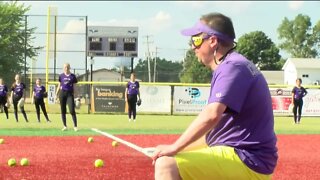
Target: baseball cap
x,y
200,27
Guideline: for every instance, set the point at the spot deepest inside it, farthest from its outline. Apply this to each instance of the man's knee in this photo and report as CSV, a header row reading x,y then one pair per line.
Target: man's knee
x,y
165,166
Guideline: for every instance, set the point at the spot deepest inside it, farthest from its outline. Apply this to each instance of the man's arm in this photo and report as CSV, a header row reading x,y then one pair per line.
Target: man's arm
x,y
198,144
205,121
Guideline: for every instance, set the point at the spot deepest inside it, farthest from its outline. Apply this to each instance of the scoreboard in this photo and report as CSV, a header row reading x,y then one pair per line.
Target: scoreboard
x,y
104,41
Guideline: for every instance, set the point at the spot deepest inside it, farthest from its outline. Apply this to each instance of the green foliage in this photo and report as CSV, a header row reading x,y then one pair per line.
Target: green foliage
x,y
14,37
300,39
193,71
166,71
260,49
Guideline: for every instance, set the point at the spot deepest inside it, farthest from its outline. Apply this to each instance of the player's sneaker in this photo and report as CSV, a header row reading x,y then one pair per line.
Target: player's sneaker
x,y
64,129
129,120
134,120
75,129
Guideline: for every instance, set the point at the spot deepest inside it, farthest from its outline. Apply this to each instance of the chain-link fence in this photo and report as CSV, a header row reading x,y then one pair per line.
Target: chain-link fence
x,y
62,40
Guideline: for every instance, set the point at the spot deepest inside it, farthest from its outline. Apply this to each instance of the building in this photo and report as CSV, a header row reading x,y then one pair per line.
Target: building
x,y
102,75
273,77
305,68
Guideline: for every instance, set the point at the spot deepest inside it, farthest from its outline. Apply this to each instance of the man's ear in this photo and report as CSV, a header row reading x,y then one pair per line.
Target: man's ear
x,y
213,41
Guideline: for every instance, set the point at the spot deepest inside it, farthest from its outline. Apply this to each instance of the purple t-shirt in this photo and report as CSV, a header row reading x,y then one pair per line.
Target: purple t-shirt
x,y
248,122
133,88
299,93
3,90
67,81
18,89
38,91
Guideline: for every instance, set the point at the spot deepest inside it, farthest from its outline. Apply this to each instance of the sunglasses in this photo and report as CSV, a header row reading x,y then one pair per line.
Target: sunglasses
x,y
198,40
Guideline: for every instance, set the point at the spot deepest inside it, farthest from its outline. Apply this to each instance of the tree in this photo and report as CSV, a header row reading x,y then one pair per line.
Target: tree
x,y
15,41
166,71
193,71
300,39
260,49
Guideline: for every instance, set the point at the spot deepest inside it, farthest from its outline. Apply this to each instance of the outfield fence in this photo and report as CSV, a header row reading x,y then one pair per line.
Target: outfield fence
x,y
176,98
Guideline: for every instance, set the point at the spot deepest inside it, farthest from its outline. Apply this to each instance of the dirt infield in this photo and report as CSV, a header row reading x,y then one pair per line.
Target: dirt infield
x,y
72,157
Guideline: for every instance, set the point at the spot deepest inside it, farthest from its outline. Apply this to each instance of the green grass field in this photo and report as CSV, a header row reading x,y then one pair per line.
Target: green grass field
x,y
118,124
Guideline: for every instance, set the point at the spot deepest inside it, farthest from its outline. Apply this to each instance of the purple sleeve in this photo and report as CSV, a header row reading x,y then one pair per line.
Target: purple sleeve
x,y
60,78
231,85
138,85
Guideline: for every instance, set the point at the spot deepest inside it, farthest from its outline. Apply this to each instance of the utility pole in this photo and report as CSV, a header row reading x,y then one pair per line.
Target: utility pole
x,y
148,56
25,47
155,65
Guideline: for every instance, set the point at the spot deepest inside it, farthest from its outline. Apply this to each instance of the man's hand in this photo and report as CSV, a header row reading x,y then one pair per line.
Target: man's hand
x,y
164,150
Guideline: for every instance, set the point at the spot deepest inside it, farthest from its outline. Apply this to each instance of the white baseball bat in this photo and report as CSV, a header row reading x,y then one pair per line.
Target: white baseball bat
x,y
146,151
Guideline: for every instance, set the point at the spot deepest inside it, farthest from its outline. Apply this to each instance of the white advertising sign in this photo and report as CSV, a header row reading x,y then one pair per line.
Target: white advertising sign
x,y
190,100
311,103
51,94
155,99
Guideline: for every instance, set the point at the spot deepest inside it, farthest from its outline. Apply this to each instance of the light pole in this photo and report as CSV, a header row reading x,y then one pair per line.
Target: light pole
x,y
25,47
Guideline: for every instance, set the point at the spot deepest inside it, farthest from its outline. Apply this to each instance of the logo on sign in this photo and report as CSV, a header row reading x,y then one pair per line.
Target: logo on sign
x,y
193,92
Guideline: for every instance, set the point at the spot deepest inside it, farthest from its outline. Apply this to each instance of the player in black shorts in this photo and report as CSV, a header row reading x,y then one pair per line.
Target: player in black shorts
x,y
132,95
18,97
39,93
66,96
4,97
298,93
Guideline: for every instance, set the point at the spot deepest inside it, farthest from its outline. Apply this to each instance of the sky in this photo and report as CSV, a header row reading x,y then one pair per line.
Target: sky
x,y
162,21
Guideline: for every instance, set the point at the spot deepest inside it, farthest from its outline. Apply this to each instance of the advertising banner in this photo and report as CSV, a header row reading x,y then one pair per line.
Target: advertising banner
x,y
190,100
281,99
109,98
155,99
311,103
51,93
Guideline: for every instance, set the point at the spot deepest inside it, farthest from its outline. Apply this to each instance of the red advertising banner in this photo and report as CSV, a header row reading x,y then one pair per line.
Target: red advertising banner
x,y
281,99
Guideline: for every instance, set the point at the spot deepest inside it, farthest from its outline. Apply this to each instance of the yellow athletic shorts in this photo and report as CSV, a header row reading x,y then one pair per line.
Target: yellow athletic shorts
x,y
211,163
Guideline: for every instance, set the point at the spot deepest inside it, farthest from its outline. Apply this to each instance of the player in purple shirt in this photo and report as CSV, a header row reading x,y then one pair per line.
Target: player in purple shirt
x,y
233,137
39,93
132,95
298,92
66,88
4,97
18,94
